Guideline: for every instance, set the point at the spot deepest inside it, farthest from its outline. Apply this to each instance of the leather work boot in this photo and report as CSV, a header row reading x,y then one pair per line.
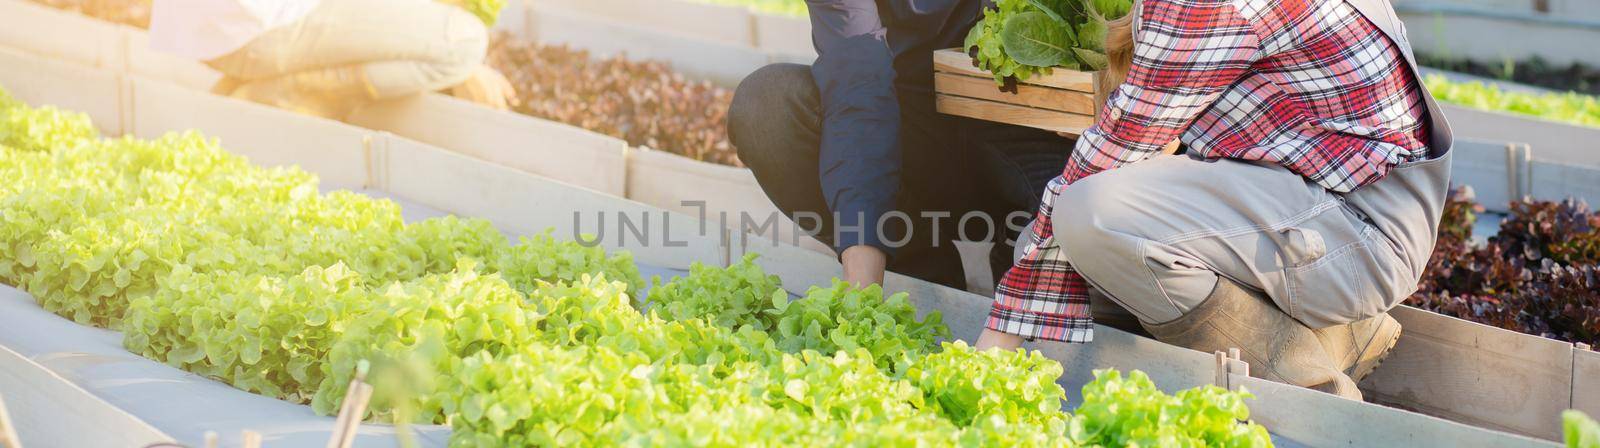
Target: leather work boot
x,y
1278,347
1360,346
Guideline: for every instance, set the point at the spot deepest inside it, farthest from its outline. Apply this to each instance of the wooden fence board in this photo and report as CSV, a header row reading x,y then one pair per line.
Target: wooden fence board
x,y
1018,115
722,63
1319,419
49,410
1557,181
1026,95
546,148
1550,140
66,85
1494,170
335,151
513,18
786,36
523,204
1586,381
1475,374
59,34
954,61
711,192
727,24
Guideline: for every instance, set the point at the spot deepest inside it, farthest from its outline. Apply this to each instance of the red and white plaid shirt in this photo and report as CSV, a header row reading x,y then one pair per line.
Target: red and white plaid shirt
x,y
1307,84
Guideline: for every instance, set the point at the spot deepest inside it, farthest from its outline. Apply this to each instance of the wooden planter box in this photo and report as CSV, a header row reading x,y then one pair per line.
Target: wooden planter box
x,y
1062,101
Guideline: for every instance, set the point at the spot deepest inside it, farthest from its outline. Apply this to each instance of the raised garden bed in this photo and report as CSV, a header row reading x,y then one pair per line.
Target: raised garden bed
x,y
1539,275
645,103
1569,107
1575,77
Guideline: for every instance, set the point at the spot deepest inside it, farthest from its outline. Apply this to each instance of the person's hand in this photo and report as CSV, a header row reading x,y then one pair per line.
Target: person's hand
x,y
488,87
863,265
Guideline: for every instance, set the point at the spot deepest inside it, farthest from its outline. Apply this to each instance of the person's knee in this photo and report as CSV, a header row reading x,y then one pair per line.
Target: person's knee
x,y
765,104
1090,223
466,47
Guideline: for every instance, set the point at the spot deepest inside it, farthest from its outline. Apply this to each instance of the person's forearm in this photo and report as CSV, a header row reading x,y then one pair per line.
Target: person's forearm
x,y
995,339
858,163
863,265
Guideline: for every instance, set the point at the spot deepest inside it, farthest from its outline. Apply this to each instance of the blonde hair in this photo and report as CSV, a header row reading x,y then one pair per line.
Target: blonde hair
x,y
1119,57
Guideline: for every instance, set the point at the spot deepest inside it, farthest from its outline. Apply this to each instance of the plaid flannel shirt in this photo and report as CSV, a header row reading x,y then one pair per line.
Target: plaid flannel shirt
x,y
1308,84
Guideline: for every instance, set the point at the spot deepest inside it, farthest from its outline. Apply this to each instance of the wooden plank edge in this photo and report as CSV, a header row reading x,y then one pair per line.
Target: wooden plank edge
x,y
585,158
954,61
39,397
1475,374
97,43
721,23
1049,120
721,63
521,203
1320,419
1586,365
1028,95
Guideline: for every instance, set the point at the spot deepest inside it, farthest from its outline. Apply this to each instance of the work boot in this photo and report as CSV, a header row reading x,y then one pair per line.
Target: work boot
x,y
1278,347
1359,347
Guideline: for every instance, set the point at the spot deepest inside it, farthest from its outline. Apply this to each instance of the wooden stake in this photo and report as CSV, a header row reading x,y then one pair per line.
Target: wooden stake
x,y
251,439
352,425
8,432
348,423
344,414
1221,377
1236,365
1229,364
343,419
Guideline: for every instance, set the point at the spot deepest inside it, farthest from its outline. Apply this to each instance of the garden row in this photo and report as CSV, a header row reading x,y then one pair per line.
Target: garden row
x,y
1567,107
250,276
1478,375
1540,274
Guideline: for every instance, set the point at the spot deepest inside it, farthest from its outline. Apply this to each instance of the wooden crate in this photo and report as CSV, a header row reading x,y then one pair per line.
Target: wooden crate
x,y
1062,101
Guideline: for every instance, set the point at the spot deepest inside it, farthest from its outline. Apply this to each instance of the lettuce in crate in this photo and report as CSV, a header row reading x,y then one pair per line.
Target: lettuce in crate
x,y
1017,39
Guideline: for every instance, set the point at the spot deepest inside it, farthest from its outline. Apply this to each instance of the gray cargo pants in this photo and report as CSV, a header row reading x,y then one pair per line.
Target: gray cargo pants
x,y
1154,236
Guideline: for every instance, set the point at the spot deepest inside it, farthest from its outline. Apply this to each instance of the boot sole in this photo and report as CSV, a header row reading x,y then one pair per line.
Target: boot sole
x,y
1363,369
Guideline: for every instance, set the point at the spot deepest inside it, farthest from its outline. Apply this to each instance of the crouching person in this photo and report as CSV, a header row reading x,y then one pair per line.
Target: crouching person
x,y
853,149
328,57
1305,209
